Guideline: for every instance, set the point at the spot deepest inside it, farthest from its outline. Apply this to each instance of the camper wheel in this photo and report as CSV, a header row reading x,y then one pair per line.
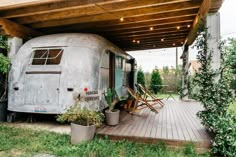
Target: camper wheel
x,y
11,117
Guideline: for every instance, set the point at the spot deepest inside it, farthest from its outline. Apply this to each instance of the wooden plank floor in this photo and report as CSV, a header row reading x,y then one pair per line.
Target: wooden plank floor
x,y
176,124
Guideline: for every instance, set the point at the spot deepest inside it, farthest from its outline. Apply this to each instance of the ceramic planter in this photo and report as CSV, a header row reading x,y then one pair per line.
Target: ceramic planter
x,y
112,118
81,133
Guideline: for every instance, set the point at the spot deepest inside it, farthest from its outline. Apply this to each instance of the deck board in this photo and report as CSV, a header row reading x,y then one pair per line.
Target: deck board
x,y
175,124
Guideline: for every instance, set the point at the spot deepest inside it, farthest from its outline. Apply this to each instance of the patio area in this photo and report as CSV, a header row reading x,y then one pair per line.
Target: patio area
x,y
176,124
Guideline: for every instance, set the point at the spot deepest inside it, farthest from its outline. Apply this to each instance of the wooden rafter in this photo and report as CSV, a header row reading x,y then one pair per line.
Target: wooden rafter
x,y
26,18
13,29
38,22
198,21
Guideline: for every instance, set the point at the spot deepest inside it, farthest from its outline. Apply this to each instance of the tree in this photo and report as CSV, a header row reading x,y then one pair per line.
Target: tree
x,y
231,61
140,77
156,81
231,54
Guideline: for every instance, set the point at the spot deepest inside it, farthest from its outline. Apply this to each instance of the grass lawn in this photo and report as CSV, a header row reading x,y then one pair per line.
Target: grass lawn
x,y
233,106
22,142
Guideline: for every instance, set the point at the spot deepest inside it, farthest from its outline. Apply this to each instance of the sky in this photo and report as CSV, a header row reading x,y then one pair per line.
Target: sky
x,y
149,59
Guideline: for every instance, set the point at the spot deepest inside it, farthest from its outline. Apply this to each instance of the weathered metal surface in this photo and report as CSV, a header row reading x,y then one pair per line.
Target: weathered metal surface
x,y
84,65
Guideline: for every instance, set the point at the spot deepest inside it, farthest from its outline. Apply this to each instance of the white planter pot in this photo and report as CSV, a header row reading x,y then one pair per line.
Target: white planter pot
x,y
81,133
112,118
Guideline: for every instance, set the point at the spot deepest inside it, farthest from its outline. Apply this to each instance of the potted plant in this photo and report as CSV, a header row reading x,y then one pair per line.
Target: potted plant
x,y
112,115
83,122
4,65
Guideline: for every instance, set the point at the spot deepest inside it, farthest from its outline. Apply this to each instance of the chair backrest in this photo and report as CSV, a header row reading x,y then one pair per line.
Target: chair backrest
x,y
132,93
145,90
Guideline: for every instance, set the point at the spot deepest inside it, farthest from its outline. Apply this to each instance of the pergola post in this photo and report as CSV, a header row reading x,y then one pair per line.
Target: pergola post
x,y
185,57
14,44
213,38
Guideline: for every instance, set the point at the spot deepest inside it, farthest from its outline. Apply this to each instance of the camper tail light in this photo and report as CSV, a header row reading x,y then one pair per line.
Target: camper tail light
x,y
85,89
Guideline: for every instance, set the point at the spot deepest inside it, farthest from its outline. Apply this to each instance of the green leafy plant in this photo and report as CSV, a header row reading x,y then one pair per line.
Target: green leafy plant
x,y
111,98
215,95
156,81
4,64
140,77
81,116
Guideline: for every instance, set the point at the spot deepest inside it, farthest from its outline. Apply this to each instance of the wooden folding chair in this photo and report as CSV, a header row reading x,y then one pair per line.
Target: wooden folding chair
x,y
139,101
147,94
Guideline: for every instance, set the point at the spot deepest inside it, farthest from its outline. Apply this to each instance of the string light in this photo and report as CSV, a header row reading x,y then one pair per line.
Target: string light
x,y
188,26
151,28
182,43
121,19
173,44
178,27
134,41
162,39
138,41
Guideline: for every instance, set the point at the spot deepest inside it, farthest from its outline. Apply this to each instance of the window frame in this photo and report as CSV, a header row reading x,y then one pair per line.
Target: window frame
x,y
61,52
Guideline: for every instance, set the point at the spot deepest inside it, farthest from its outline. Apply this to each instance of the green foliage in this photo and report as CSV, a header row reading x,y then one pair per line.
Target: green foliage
x,y
81,116
155,81
4,61
111,98
215,95
4,64
231,61
29,142
231,55
140,77
170,77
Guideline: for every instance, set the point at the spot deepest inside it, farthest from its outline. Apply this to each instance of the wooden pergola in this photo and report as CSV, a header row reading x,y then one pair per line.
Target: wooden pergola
x,y
130,24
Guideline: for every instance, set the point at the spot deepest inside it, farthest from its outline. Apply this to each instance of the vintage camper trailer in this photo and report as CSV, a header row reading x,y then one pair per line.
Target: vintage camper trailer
x,y
48,72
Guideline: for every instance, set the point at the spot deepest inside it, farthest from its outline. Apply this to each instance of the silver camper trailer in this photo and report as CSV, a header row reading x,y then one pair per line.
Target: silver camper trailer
x,y
48,72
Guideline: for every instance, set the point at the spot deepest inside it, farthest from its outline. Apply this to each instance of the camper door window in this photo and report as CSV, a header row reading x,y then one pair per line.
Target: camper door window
x,y
119,62
47,56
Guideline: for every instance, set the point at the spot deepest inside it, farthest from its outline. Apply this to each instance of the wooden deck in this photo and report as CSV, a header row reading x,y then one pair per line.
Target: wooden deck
x,y
176,124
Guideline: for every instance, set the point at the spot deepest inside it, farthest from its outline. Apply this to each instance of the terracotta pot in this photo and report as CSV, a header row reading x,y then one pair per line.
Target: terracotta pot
x,y
112,118
81,133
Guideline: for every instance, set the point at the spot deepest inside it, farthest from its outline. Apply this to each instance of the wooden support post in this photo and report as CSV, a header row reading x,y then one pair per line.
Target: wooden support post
x,y
185,57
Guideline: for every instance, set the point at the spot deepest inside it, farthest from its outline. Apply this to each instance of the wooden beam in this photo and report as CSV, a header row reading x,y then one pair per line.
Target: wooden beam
x,y
39,22
137,19
10,4
152,33
153,39
198,22
13,29
150,47
41,8
78,4
166,42
105,31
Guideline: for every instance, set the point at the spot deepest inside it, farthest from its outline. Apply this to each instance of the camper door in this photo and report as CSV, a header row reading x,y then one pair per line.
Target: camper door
x,y
42,79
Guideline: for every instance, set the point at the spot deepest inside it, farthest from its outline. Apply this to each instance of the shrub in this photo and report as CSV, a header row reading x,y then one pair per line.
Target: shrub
x,y
156,81
140,77
81,116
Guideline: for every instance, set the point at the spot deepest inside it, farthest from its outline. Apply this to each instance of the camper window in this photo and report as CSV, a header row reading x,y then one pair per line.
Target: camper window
x,y
118,62
47,57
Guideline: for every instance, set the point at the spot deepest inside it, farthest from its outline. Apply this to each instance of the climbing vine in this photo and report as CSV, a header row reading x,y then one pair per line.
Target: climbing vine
x,y
215,95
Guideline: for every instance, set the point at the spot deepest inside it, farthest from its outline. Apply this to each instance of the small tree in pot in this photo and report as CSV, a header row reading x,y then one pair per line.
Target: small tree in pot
x,y
83,122
112,115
